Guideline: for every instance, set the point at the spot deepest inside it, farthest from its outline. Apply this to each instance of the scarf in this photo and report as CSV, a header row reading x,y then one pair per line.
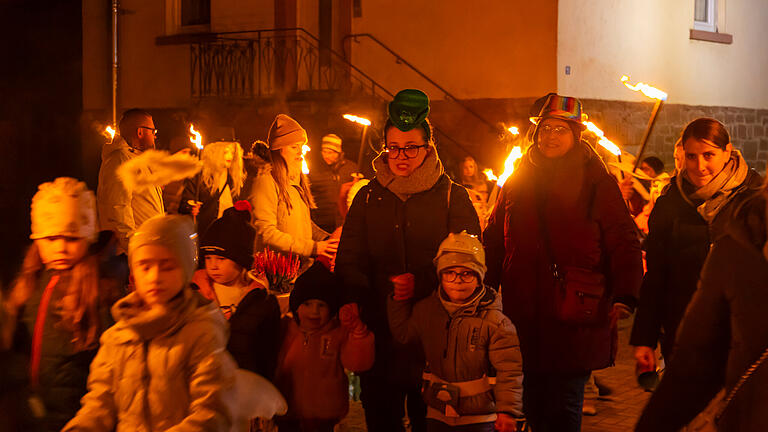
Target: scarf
x,y
560,180
422,179
452,307
719,191
152,321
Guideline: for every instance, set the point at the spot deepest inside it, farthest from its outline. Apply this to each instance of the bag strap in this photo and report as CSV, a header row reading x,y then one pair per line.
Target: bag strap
x,y
544,231
744,378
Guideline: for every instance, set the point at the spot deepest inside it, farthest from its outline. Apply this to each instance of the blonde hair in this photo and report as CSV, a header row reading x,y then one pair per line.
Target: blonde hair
x,y
213,163
280,175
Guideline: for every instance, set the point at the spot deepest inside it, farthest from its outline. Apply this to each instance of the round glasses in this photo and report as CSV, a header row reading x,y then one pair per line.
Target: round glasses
x,y
464,276
410,151
557,130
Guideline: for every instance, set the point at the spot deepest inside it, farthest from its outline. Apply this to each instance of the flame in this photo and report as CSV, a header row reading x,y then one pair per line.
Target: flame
x,y
514,130
650,91
356,119
196,139
603,141
304,167
509,164
109,132
490,175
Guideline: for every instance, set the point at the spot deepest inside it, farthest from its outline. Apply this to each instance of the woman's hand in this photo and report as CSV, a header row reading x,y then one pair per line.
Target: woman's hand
x,y
327,249
404,286
194,207
505,423
646,359
627,188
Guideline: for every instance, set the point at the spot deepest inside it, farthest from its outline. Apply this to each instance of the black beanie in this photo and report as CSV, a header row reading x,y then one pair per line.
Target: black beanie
x,y
231,236
317,283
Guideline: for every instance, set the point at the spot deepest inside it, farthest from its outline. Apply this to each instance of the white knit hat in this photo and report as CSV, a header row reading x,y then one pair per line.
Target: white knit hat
x,y
177,233
64,207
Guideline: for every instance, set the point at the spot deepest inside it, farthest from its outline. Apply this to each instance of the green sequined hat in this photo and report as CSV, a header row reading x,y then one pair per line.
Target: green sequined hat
x,y
408,109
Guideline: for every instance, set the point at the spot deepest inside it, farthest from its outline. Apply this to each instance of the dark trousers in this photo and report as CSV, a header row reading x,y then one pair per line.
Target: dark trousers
x,y
438,426
305,425
552,401
384,399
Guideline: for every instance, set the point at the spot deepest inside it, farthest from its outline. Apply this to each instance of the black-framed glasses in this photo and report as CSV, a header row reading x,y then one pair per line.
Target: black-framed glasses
x,y
154,131
557,130
410,151
464,276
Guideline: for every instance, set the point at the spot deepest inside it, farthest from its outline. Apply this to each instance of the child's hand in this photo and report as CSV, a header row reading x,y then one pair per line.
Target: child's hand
x,y
505,423
404,286
349,315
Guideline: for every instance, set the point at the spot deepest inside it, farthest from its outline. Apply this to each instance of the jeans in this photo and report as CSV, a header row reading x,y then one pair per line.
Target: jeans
x,y
438,426
552,401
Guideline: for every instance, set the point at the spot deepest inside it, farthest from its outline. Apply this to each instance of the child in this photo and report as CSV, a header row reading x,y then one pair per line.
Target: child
x,y
164,364
59,304
468,343
253,313
316,349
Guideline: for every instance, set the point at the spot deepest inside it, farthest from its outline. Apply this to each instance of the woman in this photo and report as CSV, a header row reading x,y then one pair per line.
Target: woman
x,y
217,186
684,222
478,187
281,199
59,304
724,332
390,236
561,228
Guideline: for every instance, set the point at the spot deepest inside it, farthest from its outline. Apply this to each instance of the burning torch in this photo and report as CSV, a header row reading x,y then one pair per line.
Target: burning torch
x,y
365,123
304,167
197,140
653,93
509,167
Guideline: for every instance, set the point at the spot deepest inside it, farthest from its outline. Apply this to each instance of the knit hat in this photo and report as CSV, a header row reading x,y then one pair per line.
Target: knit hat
x,y
64,207
408,109
316,283
331,142
177,233
231,236
464,250
285,131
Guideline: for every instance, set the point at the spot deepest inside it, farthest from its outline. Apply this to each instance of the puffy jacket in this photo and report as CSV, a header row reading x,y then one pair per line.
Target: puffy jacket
x,y
677,245
723,332
326,185
196,190
473,342
161,370
311,367
589,227
254,328
121,210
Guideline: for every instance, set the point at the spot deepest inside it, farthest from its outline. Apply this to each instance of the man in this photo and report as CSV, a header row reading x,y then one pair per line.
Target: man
x,y
122,210
326,181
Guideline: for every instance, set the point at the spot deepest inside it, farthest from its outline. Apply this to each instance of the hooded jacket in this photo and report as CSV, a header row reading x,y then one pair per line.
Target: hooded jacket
x,y
122,210
589,227
723,332
474,341
161,369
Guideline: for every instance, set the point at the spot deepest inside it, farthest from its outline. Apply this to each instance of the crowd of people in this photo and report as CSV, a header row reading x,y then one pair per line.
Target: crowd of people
x,y
456,313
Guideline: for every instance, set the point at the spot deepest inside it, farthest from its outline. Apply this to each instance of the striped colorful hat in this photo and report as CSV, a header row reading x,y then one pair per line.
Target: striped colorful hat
x,y
561,107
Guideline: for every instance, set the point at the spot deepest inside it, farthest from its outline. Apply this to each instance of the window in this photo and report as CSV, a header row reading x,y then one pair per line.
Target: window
x,y
705,15
195,12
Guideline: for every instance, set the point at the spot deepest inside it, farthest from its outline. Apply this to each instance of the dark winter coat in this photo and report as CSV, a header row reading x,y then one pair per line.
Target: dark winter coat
x,y
254,328
384,236
474,341
723,332
63,373
325,182
196,190
677,245
589,227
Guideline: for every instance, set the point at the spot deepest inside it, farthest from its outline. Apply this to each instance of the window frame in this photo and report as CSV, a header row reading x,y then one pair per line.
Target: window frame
x,y
711,24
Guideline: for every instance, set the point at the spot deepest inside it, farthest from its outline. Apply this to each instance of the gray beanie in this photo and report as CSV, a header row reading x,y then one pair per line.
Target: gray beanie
x,y
177,233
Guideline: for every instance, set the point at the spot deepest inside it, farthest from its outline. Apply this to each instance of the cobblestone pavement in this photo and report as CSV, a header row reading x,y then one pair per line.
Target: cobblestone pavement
x,y
615,413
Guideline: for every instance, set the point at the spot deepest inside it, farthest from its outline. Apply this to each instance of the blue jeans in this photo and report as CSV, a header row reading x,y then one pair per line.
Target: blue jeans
x,y
438,426
552,401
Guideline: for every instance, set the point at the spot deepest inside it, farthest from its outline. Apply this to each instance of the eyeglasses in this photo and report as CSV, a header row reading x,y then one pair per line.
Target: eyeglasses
x,y
154,131
557,130
464,276
410,151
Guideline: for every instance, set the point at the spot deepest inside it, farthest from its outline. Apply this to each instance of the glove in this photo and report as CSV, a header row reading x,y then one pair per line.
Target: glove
x,y
505,423
404,286
349,315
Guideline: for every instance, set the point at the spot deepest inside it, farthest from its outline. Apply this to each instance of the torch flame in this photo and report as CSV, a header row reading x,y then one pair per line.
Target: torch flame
x,y
650,91
509,165
196,139
109,132
304,167
356,119
490,175
603,141
514,130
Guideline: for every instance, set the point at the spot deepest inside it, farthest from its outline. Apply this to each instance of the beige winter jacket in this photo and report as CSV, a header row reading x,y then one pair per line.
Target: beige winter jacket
x,y
161,370
276,227
121,210
462,347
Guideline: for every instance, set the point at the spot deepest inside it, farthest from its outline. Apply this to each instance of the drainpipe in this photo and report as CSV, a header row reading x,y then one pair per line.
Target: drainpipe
x,y
115,12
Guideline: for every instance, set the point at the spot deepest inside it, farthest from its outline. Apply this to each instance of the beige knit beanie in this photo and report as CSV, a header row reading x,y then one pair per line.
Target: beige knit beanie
x,y
285,131
331,142
175,232
64,207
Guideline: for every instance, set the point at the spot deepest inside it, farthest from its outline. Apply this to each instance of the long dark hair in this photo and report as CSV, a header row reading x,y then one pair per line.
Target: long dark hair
x,y
280,175
709,129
